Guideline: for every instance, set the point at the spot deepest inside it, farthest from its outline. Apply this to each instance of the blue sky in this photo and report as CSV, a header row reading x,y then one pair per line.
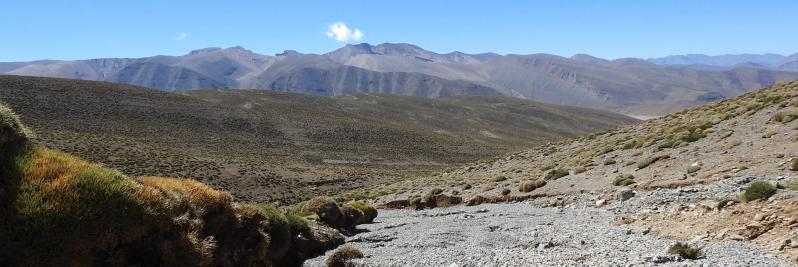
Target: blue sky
x,y
79,29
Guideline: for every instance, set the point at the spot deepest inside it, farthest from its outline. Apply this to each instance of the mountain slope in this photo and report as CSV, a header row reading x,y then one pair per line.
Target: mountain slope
x,y
58,209
723,172
269,146
629,86
756,131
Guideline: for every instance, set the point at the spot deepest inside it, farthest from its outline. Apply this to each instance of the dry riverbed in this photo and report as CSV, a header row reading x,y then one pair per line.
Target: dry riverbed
x,y
520,234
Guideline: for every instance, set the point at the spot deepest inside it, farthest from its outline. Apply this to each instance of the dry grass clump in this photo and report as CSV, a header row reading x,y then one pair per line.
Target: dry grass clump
x,y
556,174
624,180
529,186
685,251
343,256
648,161
197,194
325,208
368,210
759,190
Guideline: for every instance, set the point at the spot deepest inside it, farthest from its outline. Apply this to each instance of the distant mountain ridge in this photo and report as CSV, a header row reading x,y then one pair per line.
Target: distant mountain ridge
x,y
766,61
630,86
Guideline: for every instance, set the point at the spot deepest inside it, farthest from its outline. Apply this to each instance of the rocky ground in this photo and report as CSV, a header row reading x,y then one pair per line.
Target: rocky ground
x,y
619,228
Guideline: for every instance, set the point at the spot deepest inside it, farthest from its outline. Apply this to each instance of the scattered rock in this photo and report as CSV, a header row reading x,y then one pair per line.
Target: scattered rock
x,y
625,194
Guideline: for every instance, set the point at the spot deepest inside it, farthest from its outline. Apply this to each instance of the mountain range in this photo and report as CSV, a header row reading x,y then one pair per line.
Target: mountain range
x,y
765,61
631,86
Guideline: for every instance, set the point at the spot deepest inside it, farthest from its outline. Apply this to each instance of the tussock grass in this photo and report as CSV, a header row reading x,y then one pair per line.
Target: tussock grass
x,y
759,190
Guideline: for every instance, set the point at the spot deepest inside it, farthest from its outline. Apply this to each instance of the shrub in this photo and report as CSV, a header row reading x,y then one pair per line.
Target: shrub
x,y
648,161
505,192
351,217
529,186
278,228
556,174
467,186
685,251
609,162
325,208
759,190
369,211
499,179
580,170
624,180
630,145
693,168
343,256
794,164
791,185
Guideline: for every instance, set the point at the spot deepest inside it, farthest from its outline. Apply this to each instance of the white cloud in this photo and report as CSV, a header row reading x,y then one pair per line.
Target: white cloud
x,y
339,31
181,36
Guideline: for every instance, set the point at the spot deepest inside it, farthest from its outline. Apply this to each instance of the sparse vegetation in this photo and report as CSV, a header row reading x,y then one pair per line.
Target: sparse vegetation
x,y
685,251
759,190
785,116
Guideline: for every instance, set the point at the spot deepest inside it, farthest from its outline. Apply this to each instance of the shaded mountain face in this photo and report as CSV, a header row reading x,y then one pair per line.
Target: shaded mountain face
x,y
274,146
631,86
